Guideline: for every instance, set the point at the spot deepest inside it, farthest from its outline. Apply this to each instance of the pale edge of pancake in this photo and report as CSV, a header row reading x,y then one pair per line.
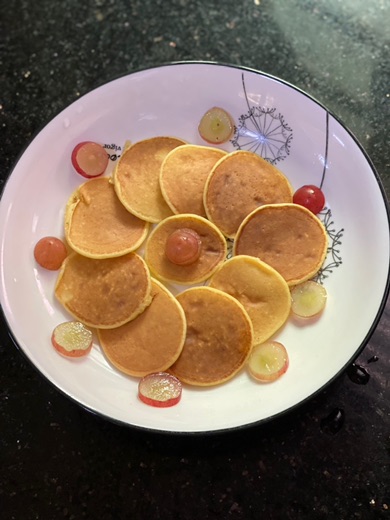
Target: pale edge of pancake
x,y
256,261
172,152
72,204
311,274
117,184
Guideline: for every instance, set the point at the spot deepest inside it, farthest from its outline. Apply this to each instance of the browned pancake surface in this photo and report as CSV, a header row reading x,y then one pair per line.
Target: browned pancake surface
x,y
152,341
183,176
137,177
104,293
286,236
213,250
218,340
97,224
239,183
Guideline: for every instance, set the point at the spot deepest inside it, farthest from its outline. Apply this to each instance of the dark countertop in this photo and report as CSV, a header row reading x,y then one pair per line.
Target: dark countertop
x,y
60,461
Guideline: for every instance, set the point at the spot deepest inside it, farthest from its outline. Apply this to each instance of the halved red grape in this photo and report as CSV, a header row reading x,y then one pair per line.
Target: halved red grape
x,y
160,389
89,159
72,339
50,252
311,197
183,247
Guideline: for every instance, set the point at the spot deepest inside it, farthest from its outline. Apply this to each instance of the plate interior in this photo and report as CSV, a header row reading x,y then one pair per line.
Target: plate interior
x,y
280,122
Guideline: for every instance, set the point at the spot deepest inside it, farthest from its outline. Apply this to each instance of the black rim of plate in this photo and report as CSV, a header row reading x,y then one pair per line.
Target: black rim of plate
x,y
316,392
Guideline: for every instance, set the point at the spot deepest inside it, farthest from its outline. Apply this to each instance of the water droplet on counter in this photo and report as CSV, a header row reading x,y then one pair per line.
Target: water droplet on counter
x,y
66,123
333,422
373,359
358,374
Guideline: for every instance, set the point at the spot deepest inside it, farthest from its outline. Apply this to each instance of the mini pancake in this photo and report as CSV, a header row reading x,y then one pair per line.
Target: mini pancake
x,y
219,337
213,250
261,290
288,237
239,183
97,224
104,293
183,177
152,341
136,177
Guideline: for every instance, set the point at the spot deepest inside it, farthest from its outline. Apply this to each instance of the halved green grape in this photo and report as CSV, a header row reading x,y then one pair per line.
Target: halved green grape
x,y
268,361
308,299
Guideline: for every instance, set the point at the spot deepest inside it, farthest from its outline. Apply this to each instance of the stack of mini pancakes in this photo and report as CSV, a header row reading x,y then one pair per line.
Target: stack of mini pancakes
x,y
205,333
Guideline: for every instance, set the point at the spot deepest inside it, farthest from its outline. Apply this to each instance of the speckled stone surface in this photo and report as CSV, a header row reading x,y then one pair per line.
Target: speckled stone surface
x,y
60,461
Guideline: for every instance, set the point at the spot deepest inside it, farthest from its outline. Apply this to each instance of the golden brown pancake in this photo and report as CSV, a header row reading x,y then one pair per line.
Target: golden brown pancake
x,y
97,224
152,341
261,290
136,177
218,340
239,183
183,176
212,254
104,293
288,237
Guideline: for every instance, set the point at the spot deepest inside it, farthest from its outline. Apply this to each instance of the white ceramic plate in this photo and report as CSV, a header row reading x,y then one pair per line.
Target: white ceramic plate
x,y
286,126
